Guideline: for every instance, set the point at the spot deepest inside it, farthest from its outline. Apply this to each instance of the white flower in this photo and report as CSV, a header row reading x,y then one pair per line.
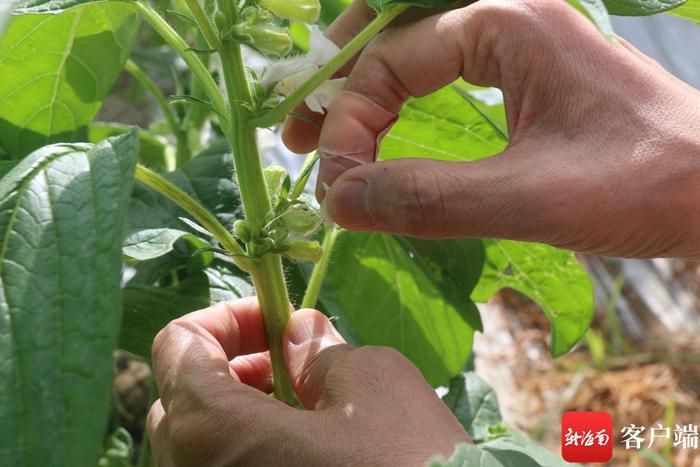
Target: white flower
x,y
288,75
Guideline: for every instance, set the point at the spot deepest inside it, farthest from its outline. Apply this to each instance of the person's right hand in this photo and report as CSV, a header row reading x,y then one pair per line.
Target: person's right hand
x,y
605,145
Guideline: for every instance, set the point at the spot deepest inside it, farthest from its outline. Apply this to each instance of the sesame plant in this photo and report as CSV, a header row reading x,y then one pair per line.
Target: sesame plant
x,y
108,232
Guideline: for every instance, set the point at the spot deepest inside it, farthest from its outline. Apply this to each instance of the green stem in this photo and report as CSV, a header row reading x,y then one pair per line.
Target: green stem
x,y
183,150
271,290
144,80
196,210
267,273
204,24
313,289
277,113
173,39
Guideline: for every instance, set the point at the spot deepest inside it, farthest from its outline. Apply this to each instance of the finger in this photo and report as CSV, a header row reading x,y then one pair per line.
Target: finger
x,y
386,74
192,353
437,199
297,133
311,347
254,370
156,428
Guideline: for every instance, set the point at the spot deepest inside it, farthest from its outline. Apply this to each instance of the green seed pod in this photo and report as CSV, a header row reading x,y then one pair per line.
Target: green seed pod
x,y
242,230
268,39
302,10
303,250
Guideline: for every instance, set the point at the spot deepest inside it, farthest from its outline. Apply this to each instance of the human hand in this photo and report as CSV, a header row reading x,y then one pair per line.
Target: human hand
x,y
366,406
605,145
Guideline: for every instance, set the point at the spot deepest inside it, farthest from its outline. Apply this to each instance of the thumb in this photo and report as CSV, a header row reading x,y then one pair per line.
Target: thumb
x,y
311,347
497,197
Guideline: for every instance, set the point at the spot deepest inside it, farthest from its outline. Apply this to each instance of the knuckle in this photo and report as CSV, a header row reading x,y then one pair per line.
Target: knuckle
x,y
419,199
375,62
378,361
166,335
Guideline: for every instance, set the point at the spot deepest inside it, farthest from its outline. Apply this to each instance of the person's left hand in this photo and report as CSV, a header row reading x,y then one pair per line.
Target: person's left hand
x,y
366,406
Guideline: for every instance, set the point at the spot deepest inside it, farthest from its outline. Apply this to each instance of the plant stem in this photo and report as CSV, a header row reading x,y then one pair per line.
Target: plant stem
x,y
277,113
204,24
271,290
183,149
196,210
267,273
173,39
313,288
145,81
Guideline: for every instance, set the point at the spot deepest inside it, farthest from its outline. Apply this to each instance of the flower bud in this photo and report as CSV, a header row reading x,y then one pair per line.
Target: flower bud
x,y
301,219
302,250
268,39
302,10
277,182
242,230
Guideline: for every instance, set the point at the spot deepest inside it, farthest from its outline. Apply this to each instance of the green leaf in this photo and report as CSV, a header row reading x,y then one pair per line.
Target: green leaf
x,y
148,309
441,126
180,263
227,282
474,403
469,455
549,276
62,213
409,294
689,10
6,166
53,6
380,5
155,152
56,69
640,7
513,445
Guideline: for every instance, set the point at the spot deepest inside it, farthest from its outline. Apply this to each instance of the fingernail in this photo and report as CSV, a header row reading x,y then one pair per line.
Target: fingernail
x,y
308,325
350,203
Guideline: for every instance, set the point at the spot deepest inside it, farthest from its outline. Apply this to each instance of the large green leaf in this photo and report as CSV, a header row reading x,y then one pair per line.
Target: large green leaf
x,y
155,152
475,405
62,213
689,10
441,126
409,294
147,309
640,7
56,69
52,6
549,276
459,124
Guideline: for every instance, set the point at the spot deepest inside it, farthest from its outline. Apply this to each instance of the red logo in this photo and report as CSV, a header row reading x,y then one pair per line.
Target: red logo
x,y
586,437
